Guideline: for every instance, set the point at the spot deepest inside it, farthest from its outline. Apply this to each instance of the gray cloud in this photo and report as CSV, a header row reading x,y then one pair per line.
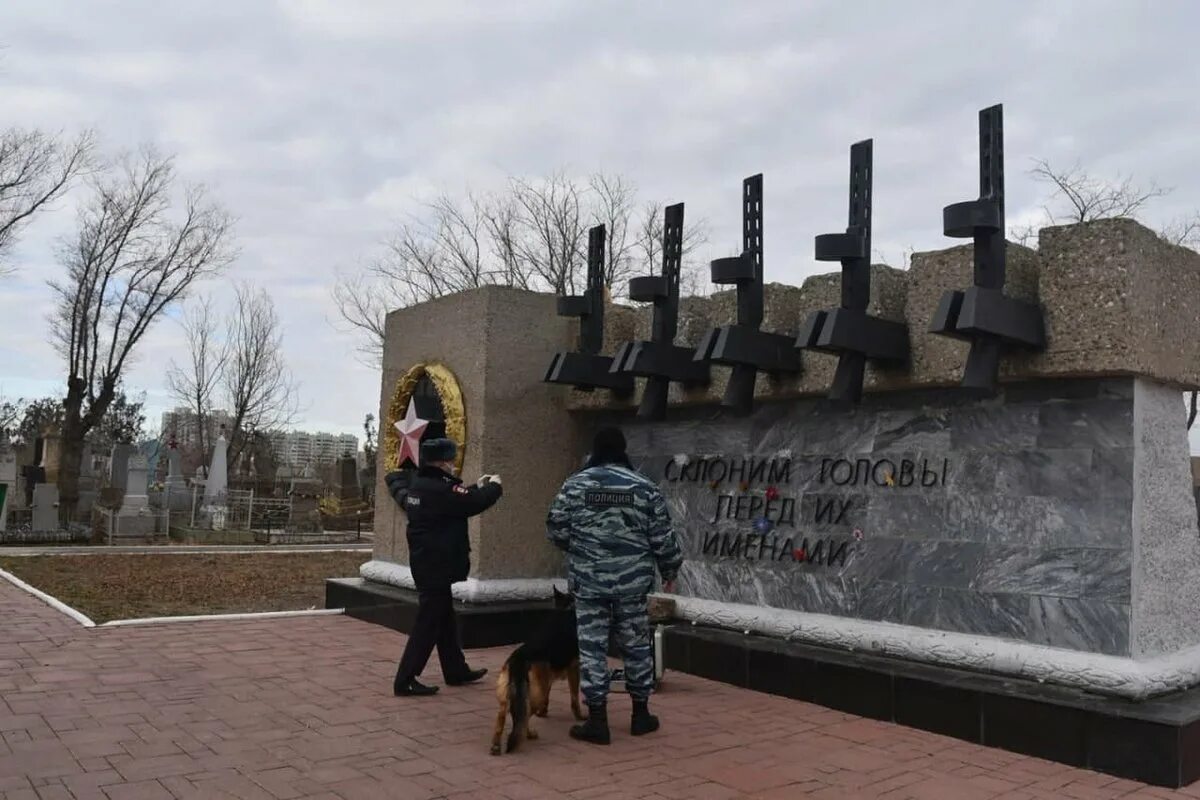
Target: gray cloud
x,y
320,123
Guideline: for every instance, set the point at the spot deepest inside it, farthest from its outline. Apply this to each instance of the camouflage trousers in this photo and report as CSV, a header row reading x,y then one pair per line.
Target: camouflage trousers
x,y
627,618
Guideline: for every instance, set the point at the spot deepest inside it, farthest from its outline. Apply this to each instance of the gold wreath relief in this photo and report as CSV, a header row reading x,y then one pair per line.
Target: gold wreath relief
x,y
453,409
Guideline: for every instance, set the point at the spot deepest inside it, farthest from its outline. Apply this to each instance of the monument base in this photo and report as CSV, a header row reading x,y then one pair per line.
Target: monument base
x,y
135,525
1156,741
297,537
480,625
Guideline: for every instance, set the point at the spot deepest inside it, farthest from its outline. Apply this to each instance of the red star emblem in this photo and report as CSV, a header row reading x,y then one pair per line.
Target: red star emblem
x,y
411,429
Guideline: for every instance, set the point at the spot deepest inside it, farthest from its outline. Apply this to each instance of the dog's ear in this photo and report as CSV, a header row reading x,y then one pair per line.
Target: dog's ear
x,y
562,600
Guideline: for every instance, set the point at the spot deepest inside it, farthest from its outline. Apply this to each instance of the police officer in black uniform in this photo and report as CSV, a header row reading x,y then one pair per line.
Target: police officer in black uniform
x,y
438,505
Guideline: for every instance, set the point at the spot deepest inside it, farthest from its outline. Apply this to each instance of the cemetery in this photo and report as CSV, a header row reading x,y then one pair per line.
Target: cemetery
x,y
957,497
466,401
121,503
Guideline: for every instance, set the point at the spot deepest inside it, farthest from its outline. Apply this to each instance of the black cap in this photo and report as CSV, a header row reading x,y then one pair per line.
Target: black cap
x,y
608,446
437,450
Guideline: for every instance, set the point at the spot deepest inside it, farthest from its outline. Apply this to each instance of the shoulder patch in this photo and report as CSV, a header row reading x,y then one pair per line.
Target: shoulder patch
x,y
458,489
609,497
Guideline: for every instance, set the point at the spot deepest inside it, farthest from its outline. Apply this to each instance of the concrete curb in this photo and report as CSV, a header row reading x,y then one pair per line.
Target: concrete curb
x,y
312,612
53,602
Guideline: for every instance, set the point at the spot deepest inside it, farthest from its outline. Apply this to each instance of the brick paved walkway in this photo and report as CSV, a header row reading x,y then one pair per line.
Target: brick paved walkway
x,y
302,707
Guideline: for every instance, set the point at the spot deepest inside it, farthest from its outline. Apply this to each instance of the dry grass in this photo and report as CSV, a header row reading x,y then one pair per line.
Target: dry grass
x,y
127,586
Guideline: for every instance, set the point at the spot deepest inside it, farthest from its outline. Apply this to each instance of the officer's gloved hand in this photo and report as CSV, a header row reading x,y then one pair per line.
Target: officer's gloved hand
x,y
495,479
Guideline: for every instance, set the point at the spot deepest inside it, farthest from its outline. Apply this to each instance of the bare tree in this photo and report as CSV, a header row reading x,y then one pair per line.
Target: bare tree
x,y
259,389
647,248
36,168
1184,232
130,259
531,236
1078,196
1085,198
555,228
195,384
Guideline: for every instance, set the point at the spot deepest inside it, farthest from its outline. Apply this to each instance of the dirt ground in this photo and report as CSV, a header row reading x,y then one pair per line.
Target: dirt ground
x,y
131,585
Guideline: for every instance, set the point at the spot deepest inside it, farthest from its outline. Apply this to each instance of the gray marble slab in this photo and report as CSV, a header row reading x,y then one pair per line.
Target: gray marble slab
x,y
1028,536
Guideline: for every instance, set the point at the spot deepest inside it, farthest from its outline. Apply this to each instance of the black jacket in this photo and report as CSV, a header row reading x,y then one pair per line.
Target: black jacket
x,y
438,505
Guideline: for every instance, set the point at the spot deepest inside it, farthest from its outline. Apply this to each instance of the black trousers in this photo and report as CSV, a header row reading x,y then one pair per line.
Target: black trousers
x,y
436,626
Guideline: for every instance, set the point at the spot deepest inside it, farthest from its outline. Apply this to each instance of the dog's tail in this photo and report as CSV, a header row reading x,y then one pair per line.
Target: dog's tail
x,y
518,698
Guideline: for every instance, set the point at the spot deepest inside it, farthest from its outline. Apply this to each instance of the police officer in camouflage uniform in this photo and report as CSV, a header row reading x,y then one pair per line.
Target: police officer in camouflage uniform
x,y
613,523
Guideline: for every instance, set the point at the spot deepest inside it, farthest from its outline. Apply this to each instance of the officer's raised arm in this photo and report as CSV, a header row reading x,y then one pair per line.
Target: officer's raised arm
x,y
467,501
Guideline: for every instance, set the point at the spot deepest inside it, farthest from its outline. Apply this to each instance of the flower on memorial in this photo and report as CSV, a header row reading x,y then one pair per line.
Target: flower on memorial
x,y
762,525
744,486
889,479
858,534
713,485
772,493
681,460
799,554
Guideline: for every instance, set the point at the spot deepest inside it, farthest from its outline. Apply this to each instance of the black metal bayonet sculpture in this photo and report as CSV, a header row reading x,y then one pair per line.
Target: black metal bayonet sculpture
x,y
587,369
983,315
849,332
743,345
660,360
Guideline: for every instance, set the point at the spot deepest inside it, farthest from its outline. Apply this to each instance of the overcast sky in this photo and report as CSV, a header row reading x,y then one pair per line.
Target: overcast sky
x,y
320,123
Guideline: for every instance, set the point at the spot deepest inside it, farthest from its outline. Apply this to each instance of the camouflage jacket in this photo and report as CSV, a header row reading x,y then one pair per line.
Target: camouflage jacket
x,y
614,526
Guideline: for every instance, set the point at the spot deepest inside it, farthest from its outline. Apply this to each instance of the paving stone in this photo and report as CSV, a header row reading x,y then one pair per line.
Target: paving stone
x,y
302,707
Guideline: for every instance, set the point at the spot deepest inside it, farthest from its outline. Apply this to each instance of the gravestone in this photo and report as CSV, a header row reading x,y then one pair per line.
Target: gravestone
x,y
305,515
51,453
135,518
217,480
88,483
31,476
8,481
118,465
175,479
45,507
137,482
347,494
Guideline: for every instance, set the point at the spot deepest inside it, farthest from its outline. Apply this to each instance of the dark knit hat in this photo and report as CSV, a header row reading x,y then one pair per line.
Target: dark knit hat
x,y
609,446
438,450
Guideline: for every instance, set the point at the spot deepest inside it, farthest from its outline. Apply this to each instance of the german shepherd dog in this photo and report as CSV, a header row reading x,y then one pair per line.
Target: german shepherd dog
x,y
523,687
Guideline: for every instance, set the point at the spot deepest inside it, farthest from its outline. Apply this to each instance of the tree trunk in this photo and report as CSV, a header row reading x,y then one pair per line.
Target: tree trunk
x,y
72,453
76,427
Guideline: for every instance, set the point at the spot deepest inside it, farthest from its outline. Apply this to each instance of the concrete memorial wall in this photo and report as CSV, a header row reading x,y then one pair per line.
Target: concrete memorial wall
x,y
1049,531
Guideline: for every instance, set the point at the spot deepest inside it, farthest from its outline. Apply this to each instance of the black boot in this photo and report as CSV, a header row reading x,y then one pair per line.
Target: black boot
x,y
643,721
470,676
595,729
413,688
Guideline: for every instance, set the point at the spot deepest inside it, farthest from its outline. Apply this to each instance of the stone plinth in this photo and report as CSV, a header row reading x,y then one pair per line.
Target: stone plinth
x,y
497,342
118,465
305,515
8,482
45,507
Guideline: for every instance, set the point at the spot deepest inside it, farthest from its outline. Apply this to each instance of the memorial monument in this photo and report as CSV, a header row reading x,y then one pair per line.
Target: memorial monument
x,y
8,479
136,518
958,497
